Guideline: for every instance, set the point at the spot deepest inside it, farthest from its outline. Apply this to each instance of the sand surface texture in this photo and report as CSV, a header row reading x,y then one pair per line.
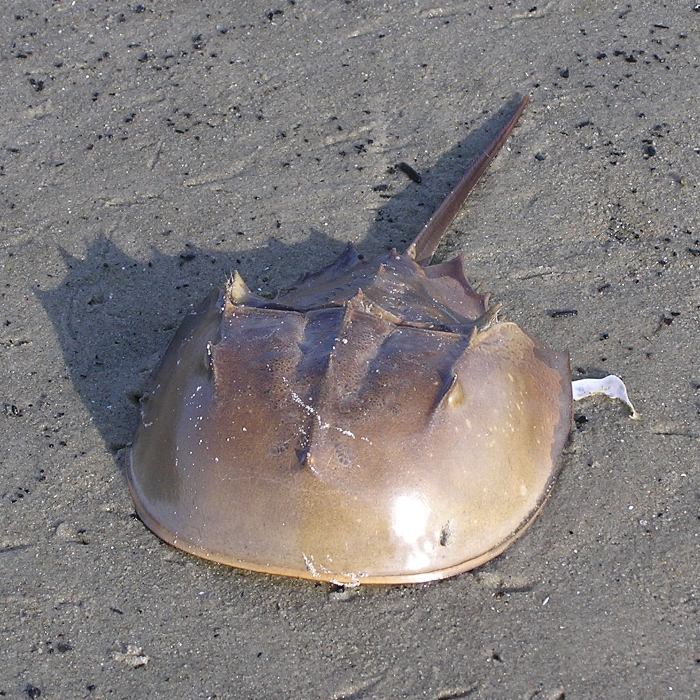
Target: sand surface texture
x,y
148,149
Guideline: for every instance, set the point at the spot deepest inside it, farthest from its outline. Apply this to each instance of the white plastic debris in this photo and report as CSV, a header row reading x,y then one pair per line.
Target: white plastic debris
x,y
613,387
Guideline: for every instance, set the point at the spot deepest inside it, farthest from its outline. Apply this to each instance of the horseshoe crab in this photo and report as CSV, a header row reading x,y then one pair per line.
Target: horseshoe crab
x,y
376,423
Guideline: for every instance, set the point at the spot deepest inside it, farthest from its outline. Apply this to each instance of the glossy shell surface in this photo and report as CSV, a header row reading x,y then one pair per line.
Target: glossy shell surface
x,y
374,424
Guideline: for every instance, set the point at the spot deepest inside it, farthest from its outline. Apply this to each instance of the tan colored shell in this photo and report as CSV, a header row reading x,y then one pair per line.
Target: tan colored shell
x,y
374,424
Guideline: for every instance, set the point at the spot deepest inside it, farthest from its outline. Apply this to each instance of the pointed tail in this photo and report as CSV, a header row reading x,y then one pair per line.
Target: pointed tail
x,y
426,242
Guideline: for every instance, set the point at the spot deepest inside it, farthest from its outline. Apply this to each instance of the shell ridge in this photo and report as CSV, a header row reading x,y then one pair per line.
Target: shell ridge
x,y
318,380
330,427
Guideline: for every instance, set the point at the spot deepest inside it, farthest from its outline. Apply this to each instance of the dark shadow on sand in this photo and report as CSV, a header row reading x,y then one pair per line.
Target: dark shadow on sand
x,y
115,315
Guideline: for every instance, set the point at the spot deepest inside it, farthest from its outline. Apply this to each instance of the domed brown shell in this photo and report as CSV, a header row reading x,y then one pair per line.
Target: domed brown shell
x,y
374,424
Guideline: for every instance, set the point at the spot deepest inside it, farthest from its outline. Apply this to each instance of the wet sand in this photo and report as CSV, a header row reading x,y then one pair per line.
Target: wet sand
x,y
150,149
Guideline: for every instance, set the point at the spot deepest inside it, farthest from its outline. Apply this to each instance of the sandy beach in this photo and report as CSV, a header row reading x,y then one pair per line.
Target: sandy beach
x,y
149,149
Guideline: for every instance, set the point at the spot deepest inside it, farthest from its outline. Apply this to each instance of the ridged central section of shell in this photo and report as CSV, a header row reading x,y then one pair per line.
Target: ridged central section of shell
x,y
354,351
323,381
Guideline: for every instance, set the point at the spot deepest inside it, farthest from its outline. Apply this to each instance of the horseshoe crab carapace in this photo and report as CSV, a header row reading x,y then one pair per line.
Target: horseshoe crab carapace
x,y
376,423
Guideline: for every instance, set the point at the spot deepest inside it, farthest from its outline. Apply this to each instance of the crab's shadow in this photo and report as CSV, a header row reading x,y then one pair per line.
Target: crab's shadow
x,y
114,315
